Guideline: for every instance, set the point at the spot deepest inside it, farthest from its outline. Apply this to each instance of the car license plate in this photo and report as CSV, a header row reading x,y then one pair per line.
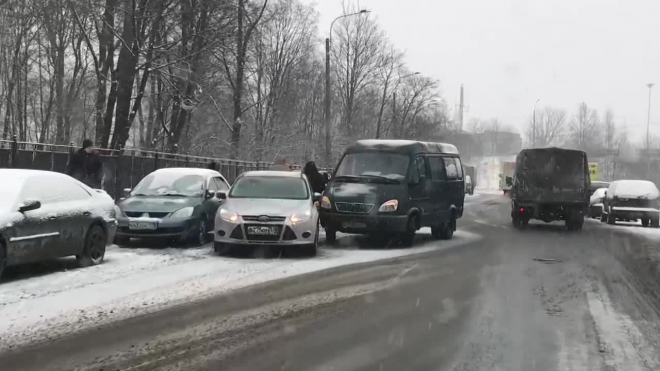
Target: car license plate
x,y
263,231
142,225
354,225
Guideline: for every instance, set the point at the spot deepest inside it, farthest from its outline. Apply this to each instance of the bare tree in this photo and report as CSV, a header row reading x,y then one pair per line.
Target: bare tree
x,y
391,64
551,127
584,128
475,125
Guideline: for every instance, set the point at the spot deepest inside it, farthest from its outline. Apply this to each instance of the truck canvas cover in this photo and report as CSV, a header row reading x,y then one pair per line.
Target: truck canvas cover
x,y
552,175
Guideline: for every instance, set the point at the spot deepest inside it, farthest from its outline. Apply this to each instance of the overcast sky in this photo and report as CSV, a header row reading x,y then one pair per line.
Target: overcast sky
x,y
509,53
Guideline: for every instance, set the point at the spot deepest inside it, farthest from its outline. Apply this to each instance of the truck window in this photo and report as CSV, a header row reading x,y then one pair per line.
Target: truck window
x,y
437,168
453,168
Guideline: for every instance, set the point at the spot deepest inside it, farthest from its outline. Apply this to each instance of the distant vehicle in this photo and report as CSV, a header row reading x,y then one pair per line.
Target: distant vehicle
x,y
469,188
268,208
506,176
471,171
630,200
385,188
550,184
596,203
177,203
597,184
46,215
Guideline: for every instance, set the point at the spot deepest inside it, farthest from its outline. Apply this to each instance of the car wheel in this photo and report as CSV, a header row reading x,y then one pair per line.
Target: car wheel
x,y
655,223
201,237
122,240
408,237
94,248
3,258
645,222
603,217
330,236
312,249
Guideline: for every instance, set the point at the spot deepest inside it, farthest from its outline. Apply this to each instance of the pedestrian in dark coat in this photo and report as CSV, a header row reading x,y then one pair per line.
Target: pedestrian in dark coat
x,y
86,166
316,180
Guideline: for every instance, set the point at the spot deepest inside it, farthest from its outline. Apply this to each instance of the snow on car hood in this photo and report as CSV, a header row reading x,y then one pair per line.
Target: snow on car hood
x,y
157,204
635,189
270,207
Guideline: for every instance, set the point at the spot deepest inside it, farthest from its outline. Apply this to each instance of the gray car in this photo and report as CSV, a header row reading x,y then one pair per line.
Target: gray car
x,y
46,215
176,203
268,208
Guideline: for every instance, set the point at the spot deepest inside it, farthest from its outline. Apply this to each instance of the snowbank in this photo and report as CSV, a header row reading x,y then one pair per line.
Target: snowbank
x,y
137,281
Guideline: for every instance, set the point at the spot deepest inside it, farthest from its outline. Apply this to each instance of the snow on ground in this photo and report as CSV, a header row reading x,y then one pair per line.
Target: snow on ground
x,y
634,228
132,282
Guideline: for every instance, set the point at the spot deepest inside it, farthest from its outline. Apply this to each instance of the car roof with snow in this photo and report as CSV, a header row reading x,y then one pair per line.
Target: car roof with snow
x,y
273,173
187,171
634,189
410,147
17,174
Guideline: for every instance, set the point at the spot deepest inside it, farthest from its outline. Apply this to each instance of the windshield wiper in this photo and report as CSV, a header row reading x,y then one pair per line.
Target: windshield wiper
x,y
349,178
175,194
139,194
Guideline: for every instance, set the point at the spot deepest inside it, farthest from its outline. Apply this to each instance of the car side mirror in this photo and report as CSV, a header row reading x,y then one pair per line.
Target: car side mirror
x,y
317,197
127,192
221,195
29,204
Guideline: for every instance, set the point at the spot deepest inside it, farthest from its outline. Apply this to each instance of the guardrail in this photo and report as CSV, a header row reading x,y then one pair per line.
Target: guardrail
x,y
121,168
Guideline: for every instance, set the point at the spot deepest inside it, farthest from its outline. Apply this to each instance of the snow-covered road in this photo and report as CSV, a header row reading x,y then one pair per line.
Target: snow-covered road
x,y
137,281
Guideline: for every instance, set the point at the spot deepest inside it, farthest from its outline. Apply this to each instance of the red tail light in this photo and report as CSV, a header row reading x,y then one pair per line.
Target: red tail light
x,y
522,210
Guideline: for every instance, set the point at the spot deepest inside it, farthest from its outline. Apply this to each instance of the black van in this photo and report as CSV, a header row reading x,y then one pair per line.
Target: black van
x,y
394,187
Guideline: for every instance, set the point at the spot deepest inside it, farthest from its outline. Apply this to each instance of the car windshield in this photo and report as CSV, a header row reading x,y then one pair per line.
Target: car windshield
x,y
270,187
374,164
170,184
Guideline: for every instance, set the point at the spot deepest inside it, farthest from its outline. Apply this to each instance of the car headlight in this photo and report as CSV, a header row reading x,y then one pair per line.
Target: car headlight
x,y
389,206
228,216
300,217
185,212
325,202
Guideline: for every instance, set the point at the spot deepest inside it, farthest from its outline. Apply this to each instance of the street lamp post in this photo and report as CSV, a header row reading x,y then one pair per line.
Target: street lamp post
x,y
648,119
534,125
328,118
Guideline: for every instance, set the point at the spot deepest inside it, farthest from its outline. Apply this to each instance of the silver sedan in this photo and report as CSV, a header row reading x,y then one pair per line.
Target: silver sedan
x,y
267,208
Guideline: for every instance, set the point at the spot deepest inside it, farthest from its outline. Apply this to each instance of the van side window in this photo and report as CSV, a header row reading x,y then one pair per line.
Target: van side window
x,y
421,166
437,168
453,168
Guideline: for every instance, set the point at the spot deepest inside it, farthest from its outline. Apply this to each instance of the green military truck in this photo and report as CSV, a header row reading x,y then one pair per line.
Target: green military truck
x,y
550,184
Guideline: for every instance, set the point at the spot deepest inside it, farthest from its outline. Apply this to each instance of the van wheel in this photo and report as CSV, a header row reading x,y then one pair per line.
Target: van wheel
x,y
655,223
611,219
603,217
645,222
330,236
94,248
448,228
408,237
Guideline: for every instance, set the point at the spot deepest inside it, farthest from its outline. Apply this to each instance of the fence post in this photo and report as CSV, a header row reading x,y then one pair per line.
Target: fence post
x,y
132,167
14,150
117,166
155,161
187,159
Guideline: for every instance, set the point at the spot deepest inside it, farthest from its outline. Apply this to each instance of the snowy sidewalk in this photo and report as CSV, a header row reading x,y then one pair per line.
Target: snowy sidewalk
x,y
132,282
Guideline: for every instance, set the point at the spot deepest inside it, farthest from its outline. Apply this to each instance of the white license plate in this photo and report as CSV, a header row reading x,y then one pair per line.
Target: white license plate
x,y
354,225
263,231
142,225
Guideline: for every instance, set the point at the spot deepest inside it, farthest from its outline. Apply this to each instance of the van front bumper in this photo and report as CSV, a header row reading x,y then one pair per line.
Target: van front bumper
x,y
364,224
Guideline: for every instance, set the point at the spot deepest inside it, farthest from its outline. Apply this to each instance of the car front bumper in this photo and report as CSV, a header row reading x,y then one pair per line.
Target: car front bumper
x,y
634,212
290,234
166,228
364,224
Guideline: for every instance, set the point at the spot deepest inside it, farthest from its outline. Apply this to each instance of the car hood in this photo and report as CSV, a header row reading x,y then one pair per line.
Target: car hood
x,y
270,207
367,193
157,204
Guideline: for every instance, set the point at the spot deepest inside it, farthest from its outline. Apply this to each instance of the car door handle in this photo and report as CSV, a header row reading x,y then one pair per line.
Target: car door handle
x,y
87,213
52,217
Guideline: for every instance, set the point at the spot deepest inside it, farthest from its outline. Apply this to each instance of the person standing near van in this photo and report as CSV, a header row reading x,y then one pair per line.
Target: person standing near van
x,y
316,180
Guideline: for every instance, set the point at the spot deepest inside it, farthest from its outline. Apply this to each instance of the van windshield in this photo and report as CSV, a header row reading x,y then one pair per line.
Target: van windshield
x,y
374,165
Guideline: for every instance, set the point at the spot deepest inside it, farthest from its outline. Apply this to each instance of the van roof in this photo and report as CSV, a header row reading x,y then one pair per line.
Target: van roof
x,y
409,147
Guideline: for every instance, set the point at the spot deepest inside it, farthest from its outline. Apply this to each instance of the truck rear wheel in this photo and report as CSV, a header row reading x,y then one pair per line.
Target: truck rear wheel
x,y
655,223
